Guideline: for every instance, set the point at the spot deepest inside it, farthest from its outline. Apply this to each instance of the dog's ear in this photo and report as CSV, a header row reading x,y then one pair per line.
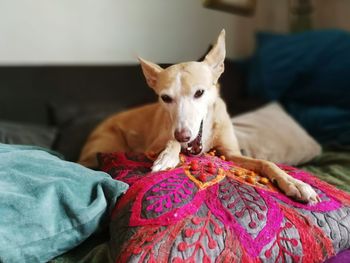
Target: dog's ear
x,y
151,71
216,56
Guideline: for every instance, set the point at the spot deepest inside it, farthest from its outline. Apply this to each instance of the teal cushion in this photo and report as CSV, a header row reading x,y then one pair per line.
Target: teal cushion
x,y
47,205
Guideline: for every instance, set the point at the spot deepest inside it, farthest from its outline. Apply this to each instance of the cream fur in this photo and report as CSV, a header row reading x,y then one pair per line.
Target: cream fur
x,y
151,128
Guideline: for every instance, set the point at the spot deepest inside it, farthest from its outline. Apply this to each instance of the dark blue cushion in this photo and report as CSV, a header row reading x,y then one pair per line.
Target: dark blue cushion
x,y
311,67
307,72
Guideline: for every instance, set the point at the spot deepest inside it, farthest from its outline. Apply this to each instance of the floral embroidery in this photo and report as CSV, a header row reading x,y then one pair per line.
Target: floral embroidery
x,y
207,211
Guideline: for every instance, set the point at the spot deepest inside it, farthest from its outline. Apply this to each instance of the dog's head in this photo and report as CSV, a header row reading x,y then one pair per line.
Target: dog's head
x,y
187,90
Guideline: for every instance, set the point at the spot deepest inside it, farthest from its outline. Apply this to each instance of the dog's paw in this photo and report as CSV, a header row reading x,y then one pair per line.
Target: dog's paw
x,y
299,190
166,160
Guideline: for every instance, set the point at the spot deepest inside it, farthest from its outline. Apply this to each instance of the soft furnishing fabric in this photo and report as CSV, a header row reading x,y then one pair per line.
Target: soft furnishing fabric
x,y
270,133
28,134
309,73
209,210
47,205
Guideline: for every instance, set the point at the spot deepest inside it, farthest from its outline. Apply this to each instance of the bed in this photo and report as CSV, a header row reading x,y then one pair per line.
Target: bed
x,y
56,107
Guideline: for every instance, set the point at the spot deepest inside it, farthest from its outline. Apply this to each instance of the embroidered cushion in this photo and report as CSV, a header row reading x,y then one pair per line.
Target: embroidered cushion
x,y
209,210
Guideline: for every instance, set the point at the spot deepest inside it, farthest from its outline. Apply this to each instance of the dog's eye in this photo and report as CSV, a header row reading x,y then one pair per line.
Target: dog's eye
x,y
166,98
198,93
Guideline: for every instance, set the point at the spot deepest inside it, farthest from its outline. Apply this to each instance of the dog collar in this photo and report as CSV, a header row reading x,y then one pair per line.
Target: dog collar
x,y
194,147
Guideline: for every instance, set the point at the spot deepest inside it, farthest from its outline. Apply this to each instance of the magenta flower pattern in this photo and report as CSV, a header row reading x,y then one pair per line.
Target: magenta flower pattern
x,y
212,215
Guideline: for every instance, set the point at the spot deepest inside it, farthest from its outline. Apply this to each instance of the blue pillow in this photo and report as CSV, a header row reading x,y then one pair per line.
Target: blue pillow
x,y
309,73
329,124
47,205
310,68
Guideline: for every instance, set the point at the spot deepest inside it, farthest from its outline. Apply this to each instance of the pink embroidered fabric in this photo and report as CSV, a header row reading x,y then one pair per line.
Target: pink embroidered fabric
x,y
199,216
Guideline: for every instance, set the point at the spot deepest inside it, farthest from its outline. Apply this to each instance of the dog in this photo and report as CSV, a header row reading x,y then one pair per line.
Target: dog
x,y
189,117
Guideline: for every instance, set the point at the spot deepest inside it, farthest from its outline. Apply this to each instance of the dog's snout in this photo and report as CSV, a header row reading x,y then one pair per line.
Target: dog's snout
x,y
183,135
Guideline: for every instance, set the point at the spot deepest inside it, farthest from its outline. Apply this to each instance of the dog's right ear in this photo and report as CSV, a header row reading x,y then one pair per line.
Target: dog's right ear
x,y
151,72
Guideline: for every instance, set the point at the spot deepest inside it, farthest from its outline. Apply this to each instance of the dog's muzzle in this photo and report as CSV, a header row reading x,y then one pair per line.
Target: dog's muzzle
x,y
194,147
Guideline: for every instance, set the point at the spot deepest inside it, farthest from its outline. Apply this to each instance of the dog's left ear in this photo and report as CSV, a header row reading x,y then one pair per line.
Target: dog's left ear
x,y
151,72
216,56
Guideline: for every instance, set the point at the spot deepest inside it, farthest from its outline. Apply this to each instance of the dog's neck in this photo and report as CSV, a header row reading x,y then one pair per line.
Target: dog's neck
x,y
207,134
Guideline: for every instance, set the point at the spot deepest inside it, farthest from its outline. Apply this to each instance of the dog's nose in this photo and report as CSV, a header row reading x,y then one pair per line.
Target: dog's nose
x,y
183,135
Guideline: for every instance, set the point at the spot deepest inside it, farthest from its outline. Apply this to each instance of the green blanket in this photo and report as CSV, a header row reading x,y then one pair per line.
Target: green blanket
x,y
333,167
94,250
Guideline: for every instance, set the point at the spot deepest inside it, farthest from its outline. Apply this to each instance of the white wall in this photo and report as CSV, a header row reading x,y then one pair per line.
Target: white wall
x,y
109,31
116,31
274,15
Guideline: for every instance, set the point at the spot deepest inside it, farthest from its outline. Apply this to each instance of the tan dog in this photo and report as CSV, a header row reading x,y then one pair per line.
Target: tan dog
x,y
189,116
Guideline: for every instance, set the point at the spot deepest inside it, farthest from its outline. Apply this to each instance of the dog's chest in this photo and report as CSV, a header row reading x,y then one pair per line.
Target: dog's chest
x,y
208,132
135,140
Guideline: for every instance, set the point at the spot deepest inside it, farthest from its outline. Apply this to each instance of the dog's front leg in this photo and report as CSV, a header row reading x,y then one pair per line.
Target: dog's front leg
x,y
289,185
168,158
227,144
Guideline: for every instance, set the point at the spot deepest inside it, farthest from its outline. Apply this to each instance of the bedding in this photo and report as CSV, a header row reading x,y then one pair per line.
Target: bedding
x,y
332,166
209,210
309,73
76,122
27,134
48,205
329,124
270,133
